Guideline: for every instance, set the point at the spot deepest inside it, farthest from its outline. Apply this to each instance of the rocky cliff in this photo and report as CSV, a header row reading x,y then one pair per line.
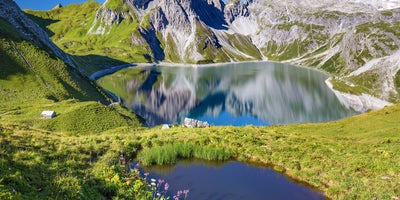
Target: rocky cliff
x,y
180,31
356,41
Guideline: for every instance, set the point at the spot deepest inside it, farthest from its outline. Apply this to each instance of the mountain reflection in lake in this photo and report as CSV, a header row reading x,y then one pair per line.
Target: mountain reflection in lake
x,y
260,93
230,180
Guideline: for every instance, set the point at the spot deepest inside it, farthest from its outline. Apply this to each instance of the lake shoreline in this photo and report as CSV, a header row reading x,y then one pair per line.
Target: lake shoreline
x,y
359,103
103,72
220,94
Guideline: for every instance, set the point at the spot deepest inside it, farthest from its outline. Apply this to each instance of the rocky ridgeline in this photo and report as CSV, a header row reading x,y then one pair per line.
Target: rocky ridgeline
x,y
182,31
10,12
338,36
354,40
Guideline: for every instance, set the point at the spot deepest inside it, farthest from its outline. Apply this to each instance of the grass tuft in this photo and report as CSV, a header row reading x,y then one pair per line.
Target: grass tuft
x,y
170,153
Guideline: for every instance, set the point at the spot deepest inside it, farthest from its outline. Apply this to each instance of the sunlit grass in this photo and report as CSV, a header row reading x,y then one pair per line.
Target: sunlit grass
x,y
169,154
354,158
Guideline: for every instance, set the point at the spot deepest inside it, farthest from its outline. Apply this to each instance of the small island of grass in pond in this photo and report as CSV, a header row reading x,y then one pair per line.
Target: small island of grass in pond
x,y
261,93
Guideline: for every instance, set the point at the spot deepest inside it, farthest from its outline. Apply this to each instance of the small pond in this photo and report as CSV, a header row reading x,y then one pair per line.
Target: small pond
x,y
230,180
259,93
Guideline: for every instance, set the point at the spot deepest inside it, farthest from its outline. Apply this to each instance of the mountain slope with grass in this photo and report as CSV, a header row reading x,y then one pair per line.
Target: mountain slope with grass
x,y
33,78
357,42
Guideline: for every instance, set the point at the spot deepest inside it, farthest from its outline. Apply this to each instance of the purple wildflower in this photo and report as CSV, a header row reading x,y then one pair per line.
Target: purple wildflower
x,y
185,192
166,186
146,175
179,193
160,182
14,191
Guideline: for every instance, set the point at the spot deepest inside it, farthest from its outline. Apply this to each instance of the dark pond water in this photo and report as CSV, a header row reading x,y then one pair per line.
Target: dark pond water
x,y
260,93
231,180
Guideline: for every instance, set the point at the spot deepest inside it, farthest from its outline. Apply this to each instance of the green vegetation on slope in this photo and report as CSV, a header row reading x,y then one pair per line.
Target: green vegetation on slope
x,y
290,49
28,73
347,159
36,164
341,86
73,28
32,81
40,158
397,81
117,5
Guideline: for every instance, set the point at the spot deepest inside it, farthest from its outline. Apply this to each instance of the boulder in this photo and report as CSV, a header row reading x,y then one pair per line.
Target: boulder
x,y
165,126
192,123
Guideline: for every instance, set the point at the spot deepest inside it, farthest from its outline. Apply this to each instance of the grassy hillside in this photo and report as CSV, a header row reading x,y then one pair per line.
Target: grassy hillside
x,y
36,161
347,159
68,27
33,80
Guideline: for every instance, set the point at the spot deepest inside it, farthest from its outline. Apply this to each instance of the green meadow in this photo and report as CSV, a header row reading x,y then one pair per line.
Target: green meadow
x,y
354,158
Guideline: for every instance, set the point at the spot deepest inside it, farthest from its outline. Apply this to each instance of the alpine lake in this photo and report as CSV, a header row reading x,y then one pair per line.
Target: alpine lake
x,y
235,94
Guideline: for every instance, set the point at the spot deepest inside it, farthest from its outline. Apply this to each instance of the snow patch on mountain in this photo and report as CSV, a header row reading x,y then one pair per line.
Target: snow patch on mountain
x,y
244,26
380,4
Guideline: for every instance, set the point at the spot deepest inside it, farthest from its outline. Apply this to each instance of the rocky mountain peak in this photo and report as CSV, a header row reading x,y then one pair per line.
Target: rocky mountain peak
x,y
236,8
57,6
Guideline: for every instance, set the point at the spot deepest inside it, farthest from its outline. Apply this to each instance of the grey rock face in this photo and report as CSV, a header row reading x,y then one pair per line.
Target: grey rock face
x,y
57,6
308,32
234,9
176,30
192,123
338,36
142,4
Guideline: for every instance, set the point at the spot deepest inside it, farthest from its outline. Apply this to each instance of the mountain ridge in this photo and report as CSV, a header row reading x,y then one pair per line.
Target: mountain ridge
x,y
339,37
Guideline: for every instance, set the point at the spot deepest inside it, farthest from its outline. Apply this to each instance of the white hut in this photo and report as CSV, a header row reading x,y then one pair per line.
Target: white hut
x,y
48,114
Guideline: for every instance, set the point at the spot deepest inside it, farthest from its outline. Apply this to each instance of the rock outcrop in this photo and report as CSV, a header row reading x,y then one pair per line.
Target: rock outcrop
x,y
57,6
192,123
181,31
